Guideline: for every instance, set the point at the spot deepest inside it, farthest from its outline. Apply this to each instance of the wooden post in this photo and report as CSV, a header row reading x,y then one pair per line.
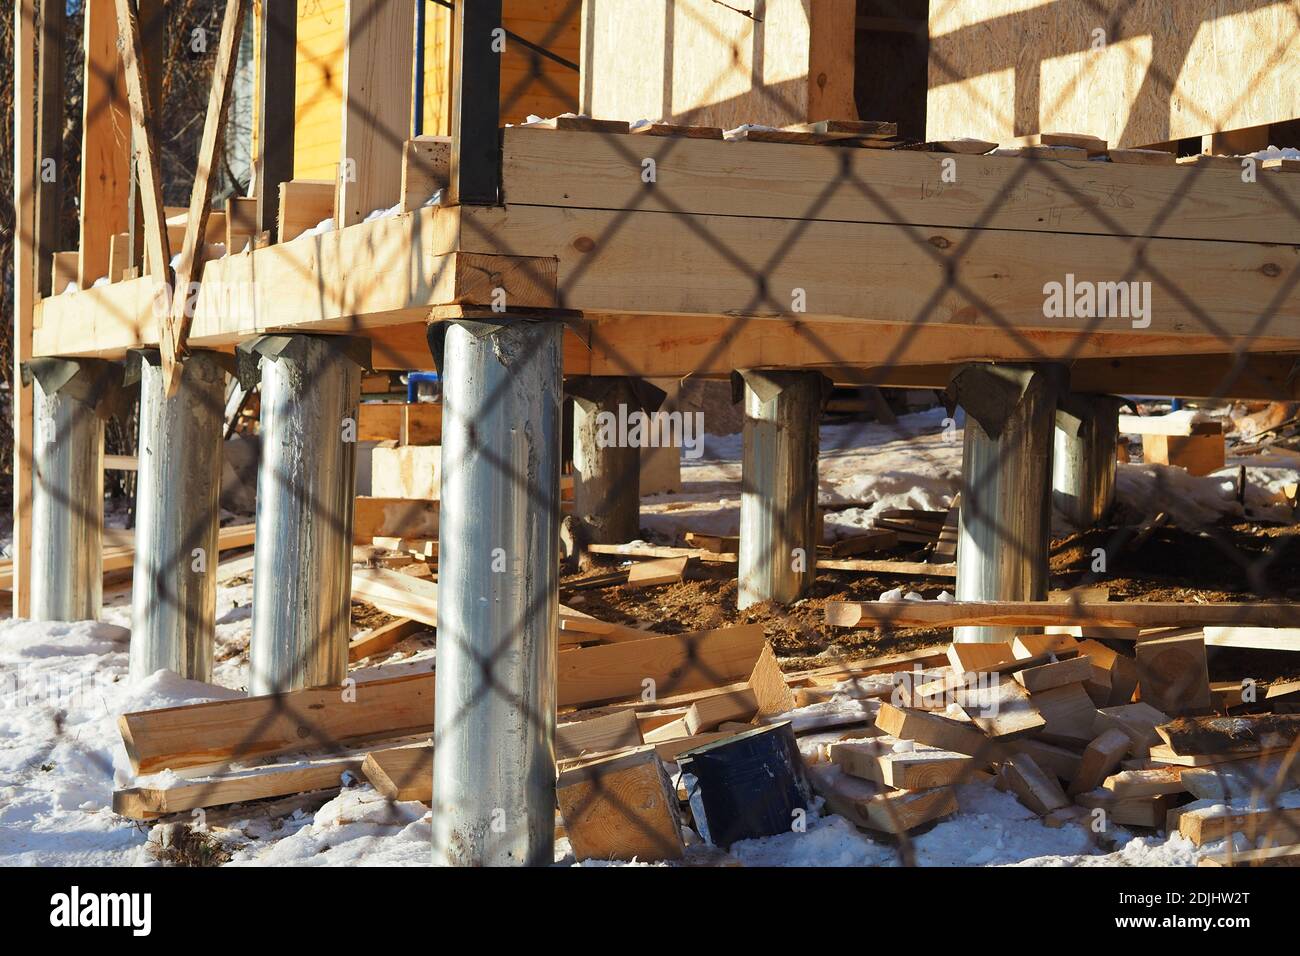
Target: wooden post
x,y
190,265
49,147
105,163
153,29
476,104
24,292
276,77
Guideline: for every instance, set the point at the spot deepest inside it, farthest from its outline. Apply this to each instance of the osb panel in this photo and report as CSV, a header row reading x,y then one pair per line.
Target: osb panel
x,y
1156,71
713,64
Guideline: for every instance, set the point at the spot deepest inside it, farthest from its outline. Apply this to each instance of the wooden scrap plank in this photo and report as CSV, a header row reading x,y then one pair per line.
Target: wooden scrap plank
x,y
1114,675
1141,157
1173,674
1032,645
382,638
401,517
936,731
1100,759
772,694
1061,762
1054,674
1092,145
580,124
920,768
401,773
145,803
1130,784
707,714
674,129
1201,824
1139,720
1033,787
978,657
867,805
663,571
216,733
1150,811
597,735
1002,710
1254,638
1230,735
621,807
1069,714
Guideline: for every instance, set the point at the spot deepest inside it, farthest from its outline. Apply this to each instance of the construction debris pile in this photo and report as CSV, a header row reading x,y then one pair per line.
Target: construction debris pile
x,y
1103,725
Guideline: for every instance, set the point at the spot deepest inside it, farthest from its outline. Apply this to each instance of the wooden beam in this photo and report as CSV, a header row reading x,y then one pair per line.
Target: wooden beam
x,y
1037,613
393,517
214,734
304,204
1230,735
620,807
747,265
475,175
190,267
277,62
426,168
105,161
153,17
144,146
49,146
376,106
882,186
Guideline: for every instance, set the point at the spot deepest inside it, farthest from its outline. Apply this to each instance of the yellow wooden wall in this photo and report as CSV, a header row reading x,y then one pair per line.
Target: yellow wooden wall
x,y
556,24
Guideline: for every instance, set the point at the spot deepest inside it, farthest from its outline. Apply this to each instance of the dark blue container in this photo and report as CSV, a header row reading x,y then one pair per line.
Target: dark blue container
x,y
749,785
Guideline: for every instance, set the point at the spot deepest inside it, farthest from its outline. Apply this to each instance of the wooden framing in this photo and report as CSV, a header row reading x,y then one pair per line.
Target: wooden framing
x,y
377,106
49,146
24,291
105,155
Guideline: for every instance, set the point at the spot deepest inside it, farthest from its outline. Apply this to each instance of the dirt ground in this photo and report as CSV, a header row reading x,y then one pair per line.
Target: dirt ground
x,y
1240,562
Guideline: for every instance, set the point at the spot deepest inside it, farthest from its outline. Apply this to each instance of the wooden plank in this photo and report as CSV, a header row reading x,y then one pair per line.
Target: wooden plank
x,y
1130,784
1002,710
413,423
1254,638
621,807
698,62
259,783
377,90
1033,787
1265,856
401,773
675,663
1038,613
1061,762
1201,824
867,805
426,168
1163,77
663,571
382,638
905,568
105,161
601,734
217,733
917,769
1230,735
1173,674
975,657
189,268
1168,425
936,731
707,714
771,180
304,204
1141,157
1055,674
1100,759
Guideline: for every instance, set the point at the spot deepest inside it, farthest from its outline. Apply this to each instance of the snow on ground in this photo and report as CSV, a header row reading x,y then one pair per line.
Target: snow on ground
x,y
62,687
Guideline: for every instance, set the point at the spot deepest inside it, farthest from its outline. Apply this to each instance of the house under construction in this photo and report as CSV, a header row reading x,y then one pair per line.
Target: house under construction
x,y
1031,207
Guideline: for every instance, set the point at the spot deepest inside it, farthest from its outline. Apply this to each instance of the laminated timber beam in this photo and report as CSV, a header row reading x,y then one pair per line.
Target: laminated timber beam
x,y
727,233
